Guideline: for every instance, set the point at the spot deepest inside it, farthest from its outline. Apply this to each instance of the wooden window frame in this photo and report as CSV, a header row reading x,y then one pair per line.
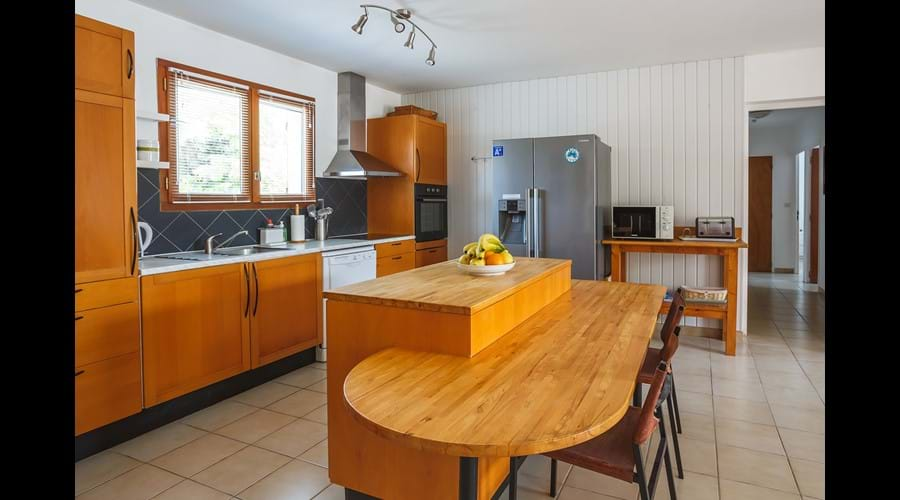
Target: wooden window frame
x,y
165,198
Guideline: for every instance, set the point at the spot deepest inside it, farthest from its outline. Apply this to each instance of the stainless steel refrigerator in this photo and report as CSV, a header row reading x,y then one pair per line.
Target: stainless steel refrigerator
x,y
553,198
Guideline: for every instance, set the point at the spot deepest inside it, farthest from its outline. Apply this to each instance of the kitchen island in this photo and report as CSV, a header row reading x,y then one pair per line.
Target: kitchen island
x,y
484,325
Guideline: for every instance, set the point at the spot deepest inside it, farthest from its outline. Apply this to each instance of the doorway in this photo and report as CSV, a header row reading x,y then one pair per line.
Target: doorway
x,y
812,274
760,234
800,233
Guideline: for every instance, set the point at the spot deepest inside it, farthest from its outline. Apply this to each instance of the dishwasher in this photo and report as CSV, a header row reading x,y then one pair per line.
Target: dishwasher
x,y
342,268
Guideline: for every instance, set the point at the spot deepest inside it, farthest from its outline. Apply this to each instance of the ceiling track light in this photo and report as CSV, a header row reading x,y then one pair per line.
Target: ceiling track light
x,y
399,18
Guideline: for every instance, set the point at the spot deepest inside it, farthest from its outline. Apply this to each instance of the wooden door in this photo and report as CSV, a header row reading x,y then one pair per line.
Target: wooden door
x,y
760,237
105,188
286,307
196,329
390,201
812,255
431,151
104,58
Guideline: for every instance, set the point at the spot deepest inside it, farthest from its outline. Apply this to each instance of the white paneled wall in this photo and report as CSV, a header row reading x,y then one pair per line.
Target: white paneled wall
x,y
676,132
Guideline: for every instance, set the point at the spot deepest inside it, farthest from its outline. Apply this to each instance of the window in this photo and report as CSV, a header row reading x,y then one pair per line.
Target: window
x,y
233,143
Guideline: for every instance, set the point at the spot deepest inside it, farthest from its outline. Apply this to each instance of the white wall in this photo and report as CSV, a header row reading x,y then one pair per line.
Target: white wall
x,y
158,35
676,132
794,74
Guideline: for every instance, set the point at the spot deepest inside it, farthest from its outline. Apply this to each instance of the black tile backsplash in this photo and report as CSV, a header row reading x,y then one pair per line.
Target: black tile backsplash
x,y
182,231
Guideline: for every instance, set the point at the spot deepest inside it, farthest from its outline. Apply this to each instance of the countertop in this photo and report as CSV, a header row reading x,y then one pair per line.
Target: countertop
x,y
694,243
561,377
153,264
442,287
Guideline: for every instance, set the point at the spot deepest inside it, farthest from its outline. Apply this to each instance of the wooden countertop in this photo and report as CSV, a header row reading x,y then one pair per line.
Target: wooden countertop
x,y
442,287
677,243
563,376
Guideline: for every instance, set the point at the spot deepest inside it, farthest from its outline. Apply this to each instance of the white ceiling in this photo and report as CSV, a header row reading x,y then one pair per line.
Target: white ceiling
x,y
485,41
788,118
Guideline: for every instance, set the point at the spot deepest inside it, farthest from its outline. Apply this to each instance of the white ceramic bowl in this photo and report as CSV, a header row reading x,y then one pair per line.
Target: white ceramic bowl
x,y
494,270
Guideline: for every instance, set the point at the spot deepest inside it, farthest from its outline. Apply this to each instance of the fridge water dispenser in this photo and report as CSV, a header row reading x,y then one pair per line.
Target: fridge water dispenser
x,y
511,221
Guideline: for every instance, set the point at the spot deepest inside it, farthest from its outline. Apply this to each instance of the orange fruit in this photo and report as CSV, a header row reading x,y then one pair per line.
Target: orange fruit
x,y
493,259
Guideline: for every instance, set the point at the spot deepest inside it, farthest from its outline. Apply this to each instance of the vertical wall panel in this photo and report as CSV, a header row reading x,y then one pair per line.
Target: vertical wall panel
x,y
676,131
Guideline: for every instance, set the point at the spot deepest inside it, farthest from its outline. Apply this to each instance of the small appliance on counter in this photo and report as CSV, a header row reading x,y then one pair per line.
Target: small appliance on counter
x,y
645,222
272,234
715,227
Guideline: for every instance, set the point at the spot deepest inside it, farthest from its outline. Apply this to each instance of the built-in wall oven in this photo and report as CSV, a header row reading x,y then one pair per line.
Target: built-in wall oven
x,y
431,212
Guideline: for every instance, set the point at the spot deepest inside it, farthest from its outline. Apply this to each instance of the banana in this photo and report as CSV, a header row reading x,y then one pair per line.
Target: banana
x,y
464,259
489,242
470,246
477,262
507,257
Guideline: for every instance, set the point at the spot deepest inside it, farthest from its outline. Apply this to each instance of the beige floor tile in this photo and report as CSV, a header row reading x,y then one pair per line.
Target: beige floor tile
x,y
793,397
318,454
691,366
804,445
777,364
295,438
139,483
319,365
737,369
304,377
539,466
189,490
159,441
743,410
692,487
239,471
756,467
198,455
218,415
695,426
794,380
333,492
809,355
598,483
319,415
813,368
694,402
771,350
802,419
571,493
299,403
697,456
530,488
297,479
320,386
810,476
750,391
748,435
256,426
100,468
264,395
733,490
693,383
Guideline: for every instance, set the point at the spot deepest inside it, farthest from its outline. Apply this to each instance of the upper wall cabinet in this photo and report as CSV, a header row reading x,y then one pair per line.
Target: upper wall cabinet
x,y
431,148
414,144
104,58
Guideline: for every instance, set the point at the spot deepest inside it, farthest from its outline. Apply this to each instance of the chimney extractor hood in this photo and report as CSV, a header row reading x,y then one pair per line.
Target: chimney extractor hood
x,y
351,160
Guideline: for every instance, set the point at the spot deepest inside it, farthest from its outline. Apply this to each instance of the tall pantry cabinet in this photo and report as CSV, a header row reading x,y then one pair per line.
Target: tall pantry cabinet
x,y
107,329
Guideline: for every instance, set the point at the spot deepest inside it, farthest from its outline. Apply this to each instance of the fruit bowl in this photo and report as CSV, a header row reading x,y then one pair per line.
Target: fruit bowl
x,y
494,270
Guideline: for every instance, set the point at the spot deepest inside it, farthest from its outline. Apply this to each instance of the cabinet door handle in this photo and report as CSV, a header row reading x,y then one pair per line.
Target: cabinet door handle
x,y
134,242
418,164
78,317
397,257
79,290
247,281
395,244
256,282
130,63
79,372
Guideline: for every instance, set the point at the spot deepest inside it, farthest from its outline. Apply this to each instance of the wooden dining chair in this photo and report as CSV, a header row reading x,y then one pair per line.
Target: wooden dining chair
x,y
617,452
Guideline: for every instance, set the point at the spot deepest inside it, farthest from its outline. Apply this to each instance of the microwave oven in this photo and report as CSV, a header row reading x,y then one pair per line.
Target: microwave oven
x,y
646,222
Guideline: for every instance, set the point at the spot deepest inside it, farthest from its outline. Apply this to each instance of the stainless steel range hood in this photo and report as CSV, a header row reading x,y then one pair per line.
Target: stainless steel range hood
x,y
351,159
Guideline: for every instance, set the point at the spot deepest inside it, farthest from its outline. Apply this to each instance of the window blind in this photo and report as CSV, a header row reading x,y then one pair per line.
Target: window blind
x,y
209,139
286,148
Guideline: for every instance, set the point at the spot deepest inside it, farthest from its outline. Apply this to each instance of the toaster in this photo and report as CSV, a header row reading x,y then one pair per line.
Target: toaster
x,y
715,227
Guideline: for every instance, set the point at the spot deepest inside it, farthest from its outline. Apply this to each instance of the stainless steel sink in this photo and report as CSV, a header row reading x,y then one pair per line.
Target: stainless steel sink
x,y
199,255
248,250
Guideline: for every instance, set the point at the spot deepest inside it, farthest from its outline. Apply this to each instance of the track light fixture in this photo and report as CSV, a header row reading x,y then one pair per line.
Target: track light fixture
x,y
399,17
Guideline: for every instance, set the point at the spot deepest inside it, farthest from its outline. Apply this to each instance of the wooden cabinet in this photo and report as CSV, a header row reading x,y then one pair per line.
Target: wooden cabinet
x,y
286,310
431,252
431,148
196,329
395,257
107,391
106,332
104,58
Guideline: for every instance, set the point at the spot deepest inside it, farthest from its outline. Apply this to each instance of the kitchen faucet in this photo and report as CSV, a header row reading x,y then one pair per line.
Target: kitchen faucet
x,y
209,241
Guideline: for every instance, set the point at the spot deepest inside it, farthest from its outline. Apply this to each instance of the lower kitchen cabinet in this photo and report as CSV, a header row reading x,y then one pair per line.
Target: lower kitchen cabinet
x,y
107,391
394,264
196,329
431,255
286,312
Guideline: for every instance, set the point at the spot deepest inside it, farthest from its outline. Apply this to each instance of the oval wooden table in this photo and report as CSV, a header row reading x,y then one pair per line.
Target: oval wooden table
x,y
560,378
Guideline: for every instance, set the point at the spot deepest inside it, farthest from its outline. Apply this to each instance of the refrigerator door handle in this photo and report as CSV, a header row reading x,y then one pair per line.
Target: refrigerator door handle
x,y
528,218
536,221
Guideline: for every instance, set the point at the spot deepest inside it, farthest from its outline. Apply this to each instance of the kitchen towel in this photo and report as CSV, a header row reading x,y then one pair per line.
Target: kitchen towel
x,y
298,228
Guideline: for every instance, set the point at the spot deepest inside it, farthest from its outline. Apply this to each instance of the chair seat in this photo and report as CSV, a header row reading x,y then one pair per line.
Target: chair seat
x,y
651,360
611,453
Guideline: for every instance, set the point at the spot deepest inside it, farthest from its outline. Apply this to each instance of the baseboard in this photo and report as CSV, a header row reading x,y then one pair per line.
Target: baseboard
x,y
783,270
822,290
159,415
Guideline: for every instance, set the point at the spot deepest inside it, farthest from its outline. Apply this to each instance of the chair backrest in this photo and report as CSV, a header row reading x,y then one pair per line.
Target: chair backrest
x,y
670,346
647,421
676,312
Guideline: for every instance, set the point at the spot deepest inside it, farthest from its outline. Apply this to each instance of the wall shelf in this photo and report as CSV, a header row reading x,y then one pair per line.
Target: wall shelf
x,y
152,164
152,116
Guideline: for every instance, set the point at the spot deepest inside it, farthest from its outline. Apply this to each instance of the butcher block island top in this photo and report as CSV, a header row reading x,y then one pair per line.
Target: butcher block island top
x,y
444,288
561,377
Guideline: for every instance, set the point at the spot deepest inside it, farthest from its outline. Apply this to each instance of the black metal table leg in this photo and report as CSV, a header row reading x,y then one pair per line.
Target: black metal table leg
x,y
513,478
468,478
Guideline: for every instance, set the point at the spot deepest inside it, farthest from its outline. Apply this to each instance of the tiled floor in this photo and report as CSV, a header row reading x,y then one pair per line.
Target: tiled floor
x,y
753,426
